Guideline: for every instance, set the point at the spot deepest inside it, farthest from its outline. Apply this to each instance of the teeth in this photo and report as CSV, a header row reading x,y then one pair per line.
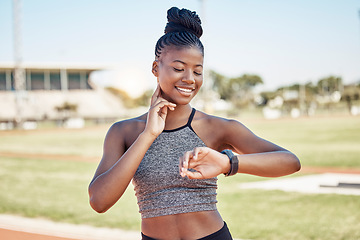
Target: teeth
x,y
184,89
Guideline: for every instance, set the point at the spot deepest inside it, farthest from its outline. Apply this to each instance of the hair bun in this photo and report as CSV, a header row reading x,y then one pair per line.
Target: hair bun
x,y
183,21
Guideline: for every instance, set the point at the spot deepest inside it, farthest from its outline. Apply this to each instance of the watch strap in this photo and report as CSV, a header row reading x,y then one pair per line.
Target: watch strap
x,y
234,162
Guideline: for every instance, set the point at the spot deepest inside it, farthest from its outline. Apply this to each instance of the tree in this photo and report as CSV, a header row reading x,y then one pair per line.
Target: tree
x,y
246,82
329,85
241,88
220,85
235,89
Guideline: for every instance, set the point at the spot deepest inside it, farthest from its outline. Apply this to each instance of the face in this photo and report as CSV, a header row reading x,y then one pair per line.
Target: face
x,y
179,73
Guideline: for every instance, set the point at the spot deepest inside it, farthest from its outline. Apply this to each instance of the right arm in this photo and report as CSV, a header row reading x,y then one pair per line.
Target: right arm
x,y
111,180
118,166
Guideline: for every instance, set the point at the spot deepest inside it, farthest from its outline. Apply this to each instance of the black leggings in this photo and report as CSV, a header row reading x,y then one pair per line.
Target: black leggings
x,y
222,234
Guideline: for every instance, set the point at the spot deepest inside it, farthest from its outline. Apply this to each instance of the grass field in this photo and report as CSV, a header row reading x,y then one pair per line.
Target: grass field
x,y
42,178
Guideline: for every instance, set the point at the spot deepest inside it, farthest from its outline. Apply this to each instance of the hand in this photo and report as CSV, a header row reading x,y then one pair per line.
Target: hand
x,y
207,162
155,123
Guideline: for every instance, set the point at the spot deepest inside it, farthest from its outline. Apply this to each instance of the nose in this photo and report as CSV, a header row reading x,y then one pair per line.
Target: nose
x,y
189,77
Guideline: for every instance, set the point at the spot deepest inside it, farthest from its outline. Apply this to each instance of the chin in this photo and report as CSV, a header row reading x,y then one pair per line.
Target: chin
x,y
182,101
179,100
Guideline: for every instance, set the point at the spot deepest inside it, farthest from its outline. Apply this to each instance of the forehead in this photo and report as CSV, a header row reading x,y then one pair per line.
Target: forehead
x,y
188,55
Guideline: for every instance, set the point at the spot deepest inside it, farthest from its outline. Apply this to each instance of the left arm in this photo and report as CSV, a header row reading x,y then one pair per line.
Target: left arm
x,y
256,156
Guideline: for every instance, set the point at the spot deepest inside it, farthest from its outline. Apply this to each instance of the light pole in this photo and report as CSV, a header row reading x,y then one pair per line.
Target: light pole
x,y
208,94
19,72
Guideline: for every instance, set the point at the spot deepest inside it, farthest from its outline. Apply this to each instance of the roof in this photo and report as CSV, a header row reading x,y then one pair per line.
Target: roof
x,y
57,66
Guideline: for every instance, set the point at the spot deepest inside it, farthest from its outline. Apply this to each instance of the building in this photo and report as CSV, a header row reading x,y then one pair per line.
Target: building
x,y
49,89
41,77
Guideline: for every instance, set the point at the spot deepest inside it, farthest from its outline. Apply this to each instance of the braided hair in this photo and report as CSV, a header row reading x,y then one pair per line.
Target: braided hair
x,y
182,30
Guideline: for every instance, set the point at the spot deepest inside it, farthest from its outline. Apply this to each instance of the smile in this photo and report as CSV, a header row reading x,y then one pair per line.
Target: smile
x,y
185,90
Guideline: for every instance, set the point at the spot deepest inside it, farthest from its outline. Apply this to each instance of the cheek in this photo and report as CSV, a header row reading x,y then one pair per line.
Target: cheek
x,y
166,78
162,82
199,82
164,85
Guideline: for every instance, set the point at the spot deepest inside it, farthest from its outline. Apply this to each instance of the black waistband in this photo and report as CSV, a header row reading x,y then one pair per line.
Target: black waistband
x,y
222,234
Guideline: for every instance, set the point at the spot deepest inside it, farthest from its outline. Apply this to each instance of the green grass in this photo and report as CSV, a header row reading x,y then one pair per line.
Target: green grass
x,y
324,142
257,214
82,142
57,190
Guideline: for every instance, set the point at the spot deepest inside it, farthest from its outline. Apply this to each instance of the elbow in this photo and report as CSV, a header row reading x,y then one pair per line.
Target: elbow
x,y
298,166
100,200
97,201
290,164
97,205
295,164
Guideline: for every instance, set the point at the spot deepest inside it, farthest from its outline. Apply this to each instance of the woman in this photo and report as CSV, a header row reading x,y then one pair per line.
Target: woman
x,y
177,199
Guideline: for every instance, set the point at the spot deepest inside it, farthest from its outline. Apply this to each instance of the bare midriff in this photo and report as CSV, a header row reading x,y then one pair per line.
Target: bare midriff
x,y
182,226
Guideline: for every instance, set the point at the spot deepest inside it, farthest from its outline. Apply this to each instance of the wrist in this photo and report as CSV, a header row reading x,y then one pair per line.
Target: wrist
x,y
148,135
233,162
226,165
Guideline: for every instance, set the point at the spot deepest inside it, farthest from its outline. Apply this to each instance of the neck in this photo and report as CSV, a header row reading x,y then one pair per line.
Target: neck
x,y
180,110
178,117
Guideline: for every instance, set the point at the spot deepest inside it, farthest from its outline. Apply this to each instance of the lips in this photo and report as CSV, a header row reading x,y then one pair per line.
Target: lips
x,y
185,89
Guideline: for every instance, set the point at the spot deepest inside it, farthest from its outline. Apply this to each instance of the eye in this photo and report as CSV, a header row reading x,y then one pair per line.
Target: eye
x,y
178,70
198,73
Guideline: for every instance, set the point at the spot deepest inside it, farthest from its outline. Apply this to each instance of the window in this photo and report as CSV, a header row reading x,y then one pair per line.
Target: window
x,y
55,83
37,81
74,80
2,81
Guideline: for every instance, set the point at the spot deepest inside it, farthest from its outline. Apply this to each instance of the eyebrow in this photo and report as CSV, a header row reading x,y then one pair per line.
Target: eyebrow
x,y
198,65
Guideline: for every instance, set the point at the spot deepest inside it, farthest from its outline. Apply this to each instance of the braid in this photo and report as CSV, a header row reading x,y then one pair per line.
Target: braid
x,y
182,30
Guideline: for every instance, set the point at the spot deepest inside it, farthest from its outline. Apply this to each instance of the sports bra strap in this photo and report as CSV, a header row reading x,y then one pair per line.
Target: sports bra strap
x,y
191,117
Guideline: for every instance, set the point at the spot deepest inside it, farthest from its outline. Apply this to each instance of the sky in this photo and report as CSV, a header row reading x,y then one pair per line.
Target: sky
x,y
283,41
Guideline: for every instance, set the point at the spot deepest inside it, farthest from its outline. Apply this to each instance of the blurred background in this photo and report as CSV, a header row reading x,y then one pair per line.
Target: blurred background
x,y
290,70
280,57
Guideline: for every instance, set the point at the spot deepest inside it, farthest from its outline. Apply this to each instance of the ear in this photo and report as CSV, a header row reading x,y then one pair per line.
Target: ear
x,y
155,67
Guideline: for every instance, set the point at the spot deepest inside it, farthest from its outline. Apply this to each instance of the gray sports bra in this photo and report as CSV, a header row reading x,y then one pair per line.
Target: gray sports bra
x,y
159,188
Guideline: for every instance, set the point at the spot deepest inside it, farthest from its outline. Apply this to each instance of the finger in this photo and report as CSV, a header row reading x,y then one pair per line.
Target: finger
x,y
180,164
160,99
194,175
170,105
184,163
164,109
182,170
155,95
163,112
186,160
193,164
156,101
196,152
163,103
156,98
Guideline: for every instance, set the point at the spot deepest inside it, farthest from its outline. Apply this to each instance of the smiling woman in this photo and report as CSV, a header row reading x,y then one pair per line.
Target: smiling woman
x,y
173,153
185,64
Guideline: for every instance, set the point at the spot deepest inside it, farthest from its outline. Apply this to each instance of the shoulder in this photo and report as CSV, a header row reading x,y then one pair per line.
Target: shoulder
x,y
216,121
127,130
215,131
225,133
128,124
